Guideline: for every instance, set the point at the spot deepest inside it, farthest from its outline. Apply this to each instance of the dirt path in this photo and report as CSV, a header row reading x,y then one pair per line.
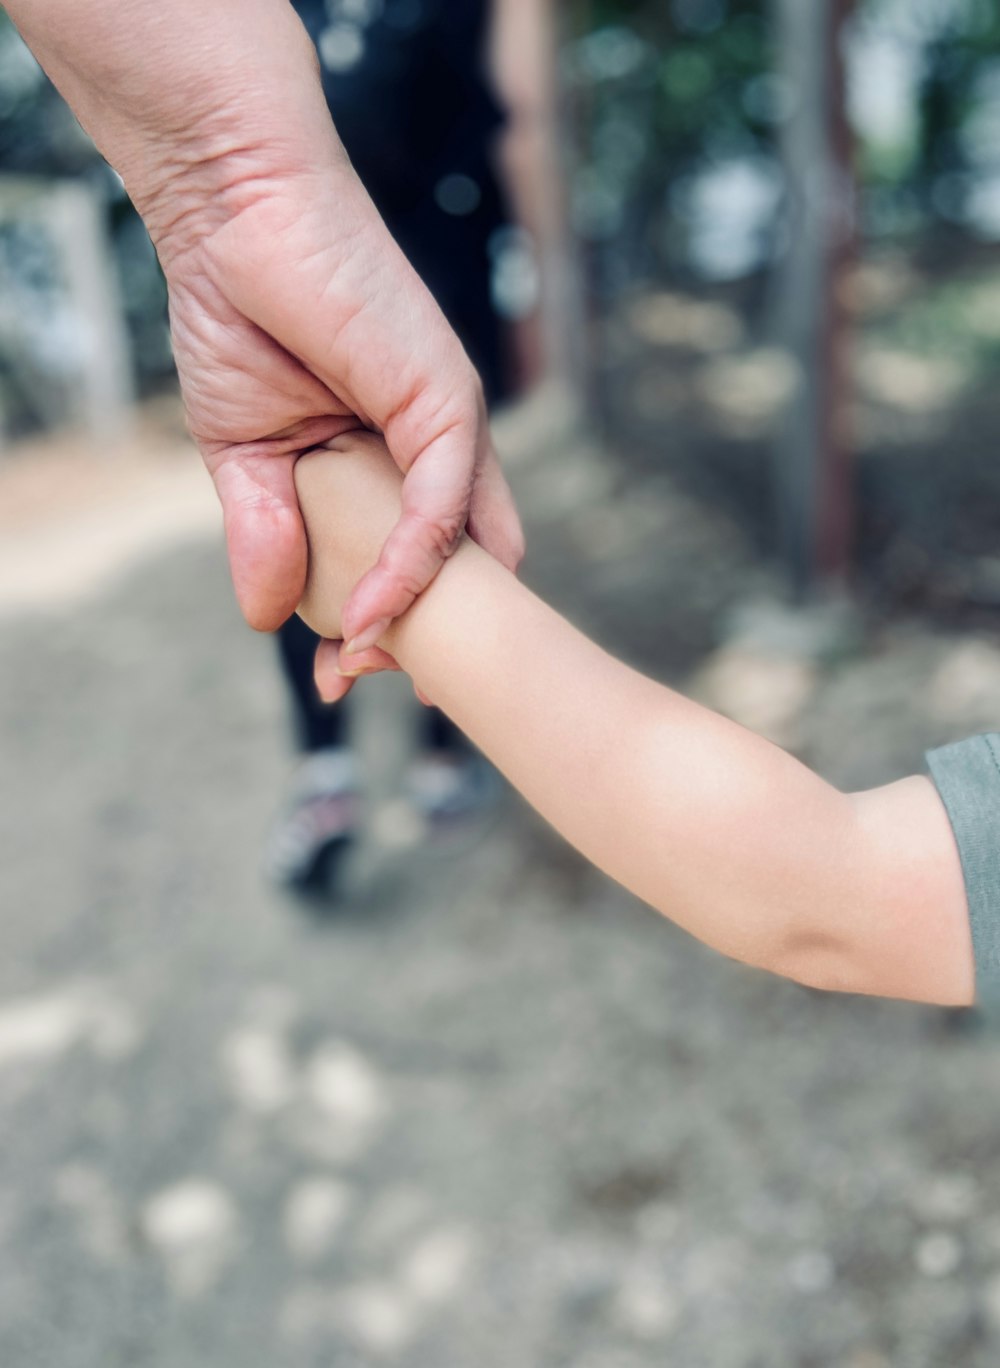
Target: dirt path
x,y
496,1114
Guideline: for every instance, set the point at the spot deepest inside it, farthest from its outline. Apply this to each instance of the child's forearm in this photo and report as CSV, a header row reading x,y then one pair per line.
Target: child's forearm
x,y
717,828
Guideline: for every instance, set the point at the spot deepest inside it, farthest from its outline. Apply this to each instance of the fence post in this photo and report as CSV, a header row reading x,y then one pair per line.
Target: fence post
x,y
74,217
95,391
812,468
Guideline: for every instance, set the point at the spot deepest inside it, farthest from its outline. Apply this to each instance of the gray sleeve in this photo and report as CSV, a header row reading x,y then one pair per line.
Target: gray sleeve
x,y
967,776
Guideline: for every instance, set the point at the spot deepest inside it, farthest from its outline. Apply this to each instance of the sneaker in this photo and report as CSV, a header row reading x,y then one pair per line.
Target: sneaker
x,y
453,794
317,825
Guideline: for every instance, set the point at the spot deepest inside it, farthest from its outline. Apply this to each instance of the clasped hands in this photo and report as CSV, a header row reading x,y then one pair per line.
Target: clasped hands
x,y
285,341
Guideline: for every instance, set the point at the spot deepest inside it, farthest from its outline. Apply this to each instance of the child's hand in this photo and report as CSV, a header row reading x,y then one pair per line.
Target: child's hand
x,y
350,493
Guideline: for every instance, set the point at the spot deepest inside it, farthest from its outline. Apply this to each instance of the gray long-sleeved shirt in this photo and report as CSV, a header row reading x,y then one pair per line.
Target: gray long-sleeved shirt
x,y
967,776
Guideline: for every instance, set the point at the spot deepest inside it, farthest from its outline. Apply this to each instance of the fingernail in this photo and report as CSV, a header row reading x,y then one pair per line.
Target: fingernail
x,y
356,674
367,638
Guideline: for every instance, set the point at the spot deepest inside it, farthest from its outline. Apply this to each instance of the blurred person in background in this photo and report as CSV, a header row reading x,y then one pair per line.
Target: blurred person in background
x,y
410,85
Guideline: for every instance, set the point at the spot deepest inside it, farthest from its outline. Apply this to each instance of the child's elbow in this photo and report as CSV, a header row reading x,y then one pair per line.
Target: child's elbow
x,y
818,957
799,948
867,955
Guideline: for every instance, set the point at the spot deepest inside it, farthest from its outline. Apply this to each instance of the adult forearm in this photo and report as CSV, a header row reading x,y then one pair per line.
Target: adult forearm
x,y
179,94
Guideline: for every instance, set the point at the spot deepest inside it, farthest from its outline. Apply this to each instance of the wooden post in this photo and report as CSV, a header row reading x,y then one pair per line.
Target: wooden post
x,y
75,219
812,461
524,62
99,395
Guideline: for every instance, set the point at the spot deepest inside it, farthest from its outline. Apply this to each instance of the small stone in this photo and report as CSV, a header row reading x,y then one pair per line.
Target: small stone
x,y
645,1306
379,1317
938,1255
193,1225
258,1068
188,1213
314,1213
43,1027
37,1028
436,1266
343,1085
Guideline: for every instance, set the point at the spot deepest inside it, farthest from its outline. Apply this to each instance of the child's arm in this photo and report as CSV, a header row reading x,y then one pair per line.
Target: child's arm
x,y
718,829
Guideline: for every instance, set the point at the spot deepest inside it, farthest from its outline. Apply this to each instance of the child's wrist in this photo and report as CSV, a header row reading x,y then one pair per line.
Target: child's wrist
x,y
402,637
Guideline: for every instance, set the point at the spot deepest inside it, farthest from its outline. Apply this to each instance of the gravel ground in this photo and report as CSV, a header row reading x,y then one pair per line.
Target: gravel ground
x,y
487,1111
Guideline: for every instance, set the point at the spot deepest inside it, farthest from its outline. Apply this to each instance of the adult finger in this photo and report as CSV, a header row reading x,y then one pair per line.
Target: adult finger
x,y
494,521
335,674
437,489
264,534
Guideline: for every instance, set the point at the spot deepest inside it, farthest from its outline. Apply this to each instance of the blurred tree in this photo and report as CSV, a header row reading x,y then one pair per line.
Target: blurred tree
x,y
671,92
714,143
926,101
668,95
40,139
812,483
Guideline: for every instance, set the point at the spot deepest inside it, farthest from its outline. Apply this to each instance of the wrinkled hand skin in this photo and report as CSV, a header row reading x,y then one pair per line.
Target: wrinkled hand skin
x,y
287,330
294,315
286,335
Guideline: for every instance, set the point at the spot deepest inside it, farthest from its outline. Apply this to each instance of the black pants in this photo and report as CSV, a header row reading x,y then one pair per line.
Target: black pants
x,y
318,724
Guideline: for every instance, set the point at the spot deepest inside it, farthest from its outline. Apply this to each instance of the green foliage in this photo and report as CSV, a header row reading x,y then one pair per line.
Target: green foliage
x,y
957,321
706,88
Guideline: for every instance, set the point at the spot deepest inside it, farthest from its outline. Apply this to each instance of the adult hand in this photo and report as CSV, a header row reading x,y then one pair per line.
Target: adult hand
x,y
294,314
291,321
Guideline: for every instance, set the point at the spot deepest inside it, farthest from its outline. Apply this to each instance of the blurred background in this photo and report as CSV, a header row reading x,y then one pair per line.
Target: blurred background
x,y
478,1106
